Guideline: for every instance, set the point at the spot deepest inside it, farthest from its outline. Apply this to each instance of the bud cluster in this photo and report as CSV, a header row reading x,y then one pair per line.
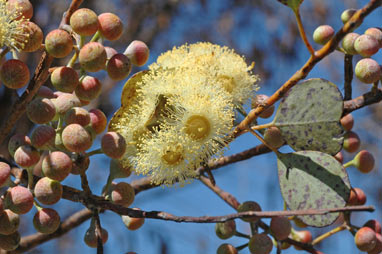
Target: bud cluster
x,y
65,131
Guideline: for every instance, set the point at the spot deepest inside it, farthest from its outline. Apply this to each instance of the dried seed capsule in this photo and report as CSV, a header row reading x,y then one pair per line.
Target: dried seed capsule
x,y
41,110
16,141
273,137
46,221
365,239
347,122
260,244
57,165
374,225
122,194
280,227
19,200
84,22
48,191
376,33
226,248
323,34
364,161
118,67
43,137
110,26
65,102
64,79
92,57
225,230
35,37
9,222
90,237
58,43
368,70
249,206
357,197
26,156
98,120
76,138
10,242
77,115
14,74
259,100
88,89
113,145
137,52
5,173
348,43
347,14
366,45
24,7
133,223
351,142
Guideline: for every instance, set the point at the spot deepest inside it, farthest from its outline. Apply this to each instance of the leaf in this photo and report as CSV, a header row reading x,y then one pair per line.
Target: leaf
x,y
293,4
309,114
313,180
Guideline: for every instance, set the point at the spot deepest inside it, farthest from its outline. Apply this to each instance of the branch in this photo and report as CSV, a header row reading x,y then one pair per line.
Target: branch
x,y
226,196
362,101
39,77
329,47
348,68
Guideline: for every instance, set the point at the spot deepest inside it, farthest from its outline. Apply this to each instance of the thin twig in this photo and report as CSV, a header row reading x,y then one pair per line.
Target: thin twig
x,y
227,197
98,231
348,68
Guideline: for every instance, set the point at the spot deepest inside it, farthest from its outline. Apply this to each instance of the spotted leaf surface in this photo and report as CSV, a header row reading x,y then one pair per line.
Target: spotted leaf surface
x,y
313,180
293,4
309,114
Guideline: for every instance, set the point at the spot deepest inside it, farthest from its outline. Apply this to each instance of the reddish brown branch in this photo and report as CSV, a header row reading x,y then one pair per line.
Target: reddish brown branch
x,y
308,66
226,196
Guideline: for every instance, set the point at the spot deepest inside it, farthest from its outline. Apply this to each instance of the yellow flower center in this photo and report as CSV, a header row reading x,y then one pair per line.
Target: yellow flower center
x,y
198,127
173,155
227,82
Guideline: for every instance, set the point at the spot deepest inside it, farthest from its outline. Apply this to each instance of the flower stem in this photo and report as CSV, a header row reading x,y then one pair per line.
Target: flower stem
x,y
262,140
330,233
348,164
238,234
96,36
241,246
96,151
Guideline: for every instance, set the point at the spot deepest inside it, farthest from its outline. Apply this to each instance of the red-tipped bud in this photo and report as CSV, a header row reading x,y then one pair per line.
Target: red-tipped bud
x,y
137,52
110,26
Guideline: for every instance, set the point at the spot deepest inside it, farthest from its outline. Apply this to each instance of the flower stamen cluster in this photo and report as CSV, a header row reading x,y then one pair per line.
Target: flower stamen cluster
x,y
13,30
178,114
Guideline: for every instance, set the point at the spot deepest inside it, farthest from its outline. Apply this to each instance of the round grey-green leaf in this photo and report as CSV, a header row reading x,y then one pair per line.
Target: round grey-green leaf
x,y
309,116
313,180
293,4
